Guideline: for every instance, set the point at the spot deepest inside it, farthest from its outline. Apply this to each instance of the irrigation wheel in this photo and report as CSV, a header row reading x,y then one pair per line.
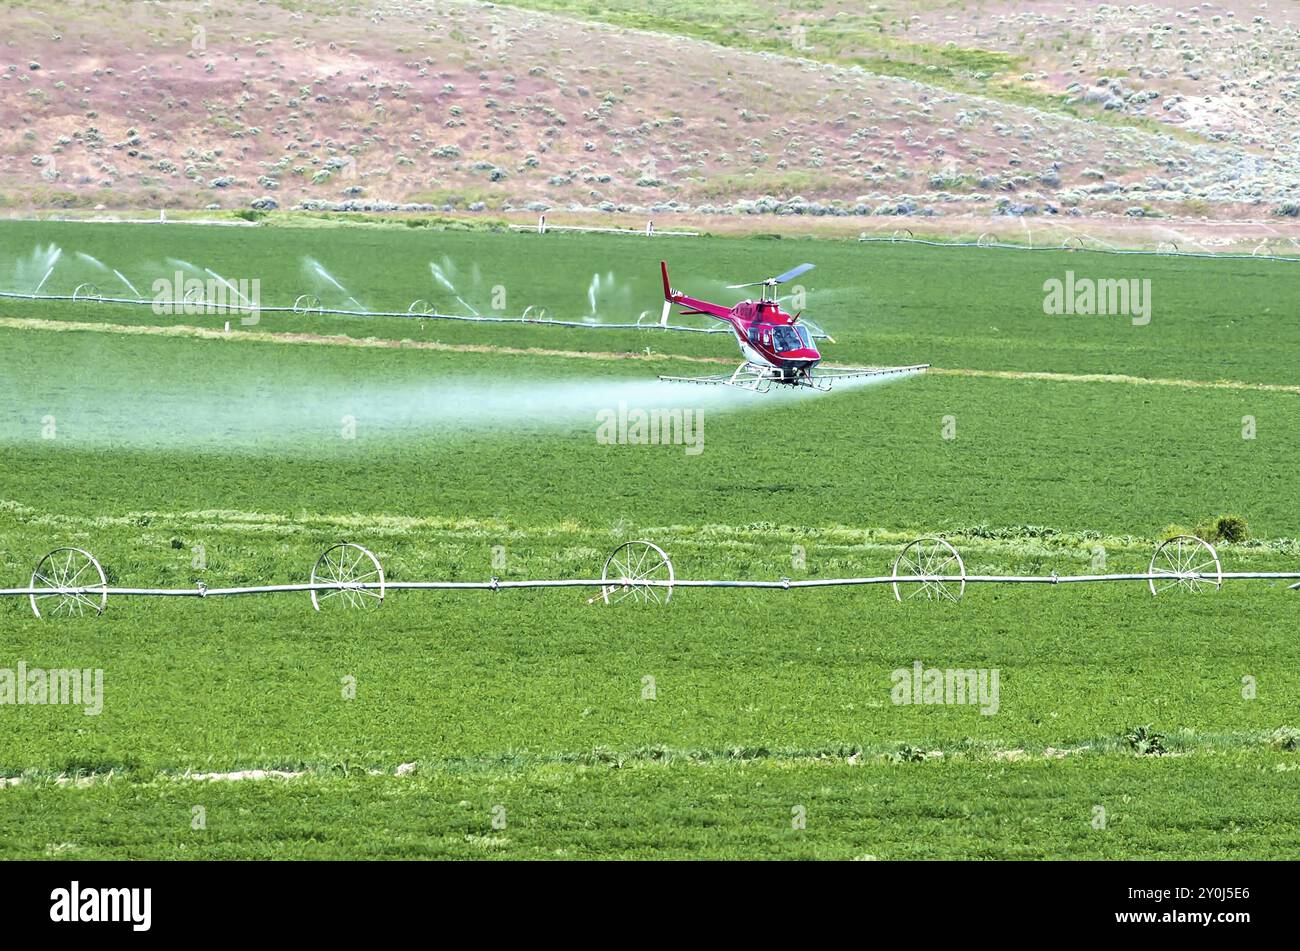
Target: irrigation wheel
x,y
355,573
74,579
306,304
930,559
641,571
1185,561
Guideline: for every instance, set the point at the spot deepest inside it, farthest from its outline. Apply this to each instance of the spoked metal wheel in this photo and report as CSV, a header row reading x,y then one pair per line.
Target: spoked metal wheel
x,y
1187,562
67,582
640,571
84,292
939,570
306,304
355,574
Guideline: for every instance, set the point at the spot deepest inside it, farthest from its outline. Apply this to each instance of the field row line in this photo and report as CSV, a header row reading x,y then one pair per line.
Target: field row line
x,y
1018,541
1049,377
341,340
889,752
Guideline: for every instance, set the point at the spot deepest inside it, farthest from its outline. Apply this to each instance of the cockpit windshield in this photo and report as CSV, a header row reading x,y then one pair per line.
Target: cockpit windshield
x,y
805,336
786,339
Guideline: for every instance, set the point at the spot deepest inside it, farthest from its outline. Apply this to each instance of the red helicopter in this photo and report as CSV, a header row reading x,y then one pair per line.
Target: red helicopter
x,y
777,348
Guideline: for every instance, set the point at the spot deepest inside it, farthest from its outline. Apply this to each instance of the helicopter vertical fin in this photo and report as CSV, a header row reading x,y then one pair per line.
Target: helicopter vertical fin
x,y
692,304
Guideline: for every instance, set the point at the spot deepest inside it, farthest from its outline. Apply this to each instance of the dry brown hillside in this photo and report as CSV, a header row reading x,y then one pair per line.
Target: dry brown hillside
x,y
474,106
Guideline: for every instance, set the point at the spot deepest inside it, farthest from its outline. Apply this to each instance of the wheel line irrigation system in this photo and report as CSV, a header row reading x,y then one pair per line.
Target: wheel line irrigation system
x,y
71,581
305,304
1166,249
194,300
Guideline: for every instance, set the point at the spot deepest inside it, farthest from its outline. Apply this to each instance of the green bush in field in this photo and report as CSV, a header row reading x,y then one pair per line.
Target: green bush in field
x,y
1222,528
1145,741
1286,738
1225,528
908,754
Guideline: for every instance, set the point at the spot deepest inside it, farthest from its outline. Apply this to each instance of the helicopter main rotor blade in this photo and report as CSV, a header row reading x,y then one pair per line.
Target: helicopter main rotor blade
x,y
793,273
787,276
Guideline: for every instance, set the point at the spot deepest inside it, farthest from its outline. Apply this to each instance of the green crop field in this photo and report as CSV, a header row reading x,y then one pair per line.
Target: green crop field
x,y
726,723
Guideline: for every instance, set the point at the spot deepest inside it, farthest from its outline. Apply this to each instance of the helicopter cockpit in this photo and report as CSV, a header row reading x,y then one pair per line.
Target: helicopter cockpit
x,y
783,338
786,338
